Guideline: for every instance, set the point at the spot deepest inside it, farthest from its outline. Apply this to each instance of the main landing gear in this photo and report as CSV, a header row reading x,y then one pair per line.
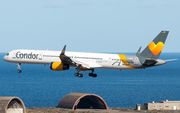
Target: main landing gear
x,y
92,74
81,75
78,69
19,67
78,75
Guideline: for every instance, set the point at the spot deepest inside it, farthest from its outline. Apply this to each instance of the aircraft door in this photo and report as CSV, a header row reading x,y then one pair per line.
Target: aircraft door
x,y
136,61
40,55
109,60
14,55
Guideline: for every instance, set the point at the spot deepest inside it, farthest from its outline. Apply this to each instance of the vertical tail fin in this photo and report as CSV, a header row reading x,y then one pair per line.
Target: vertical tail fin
x,y
153,50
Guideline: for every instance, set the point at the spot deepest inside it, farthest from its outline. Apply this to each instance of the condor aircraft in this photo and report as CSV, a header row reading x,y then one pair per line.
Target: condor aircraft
x,y
82,61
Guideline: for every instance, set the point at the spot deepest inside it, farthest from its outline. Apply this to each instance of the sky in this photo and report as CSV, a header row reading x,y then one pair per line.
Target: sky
x,y
88,25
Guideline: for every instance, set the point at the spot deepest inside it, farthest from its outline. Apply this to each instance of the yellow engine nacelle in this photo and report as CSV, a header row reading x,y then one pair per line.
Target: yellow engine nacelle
x,y
58,66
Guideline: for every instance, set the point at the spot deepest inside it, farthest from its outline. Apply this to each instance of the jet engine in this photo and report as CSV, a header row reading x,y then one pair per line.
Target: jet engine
x,y
58,66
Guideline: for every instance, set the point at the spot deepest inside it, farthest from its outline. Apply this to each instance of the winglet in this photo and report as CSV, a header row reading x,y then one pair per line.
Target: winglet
x,y
138,51
63,51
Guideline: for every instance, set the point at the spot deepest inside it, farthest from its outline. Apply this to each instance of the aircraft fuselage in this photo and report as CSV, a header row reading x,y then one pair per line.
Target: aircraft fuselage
x,y
96,60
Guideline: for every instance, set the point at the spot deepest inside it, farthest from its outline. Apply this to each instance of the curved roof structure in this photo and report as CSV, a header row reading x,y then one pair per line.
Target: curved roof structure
x,y
82,101
11,103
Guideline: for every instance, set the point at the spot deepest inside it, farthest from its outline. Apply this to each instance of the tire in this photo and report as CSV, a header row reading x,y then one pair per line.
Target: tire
x,y
90,74
80,75
76,74
19,71
94,75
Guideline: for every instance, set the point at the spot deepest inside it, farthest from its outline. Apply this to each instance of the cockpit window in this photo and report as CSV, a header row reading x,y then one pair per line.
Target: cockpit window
x,y
7,54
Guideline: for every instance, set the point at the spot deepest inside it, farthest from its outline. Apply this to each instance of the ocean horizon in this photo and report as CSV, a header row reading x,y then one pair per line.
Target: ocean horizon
x,y
38,86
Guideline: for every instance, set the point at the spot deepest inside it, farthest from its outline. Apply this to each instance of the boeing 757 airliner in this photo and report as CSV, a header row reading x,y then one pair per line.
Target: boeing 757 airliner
x,y
81,61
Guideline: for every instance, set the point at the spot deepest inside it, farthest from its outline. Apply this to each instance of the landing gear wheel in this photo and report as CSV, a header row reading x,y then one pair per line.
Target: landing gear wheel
x,y
19,71
94,75
90,74
80,75
76,74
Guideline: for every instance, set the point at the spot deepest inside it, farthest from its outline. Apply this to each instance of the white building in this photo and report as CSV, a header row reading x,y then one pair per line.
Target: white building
x,y
163,105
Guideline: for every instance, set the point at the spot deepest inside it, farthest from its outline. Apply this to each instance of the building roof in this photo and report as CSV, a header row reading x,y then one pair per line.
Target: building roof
x,y
82,100
7,102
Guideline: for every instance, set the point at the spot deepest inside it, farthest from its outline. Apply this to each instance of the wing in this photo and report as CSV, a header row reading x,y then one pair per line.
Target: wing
x,y
67,60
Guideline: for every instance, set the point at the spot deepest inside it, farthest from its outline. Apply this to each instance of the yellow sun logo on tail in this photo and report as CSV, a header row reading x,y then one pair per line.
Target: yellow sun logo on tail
x,y
156,48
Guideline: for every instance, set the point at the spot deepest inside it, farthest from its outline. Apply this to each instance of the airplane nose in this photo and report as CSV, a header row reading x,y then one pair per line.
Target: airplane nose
x,y
4,58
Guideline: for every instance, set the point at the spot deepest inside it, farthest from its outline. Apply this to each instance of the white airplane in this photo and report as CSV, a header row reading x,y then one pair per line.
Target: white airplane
x,y
83,61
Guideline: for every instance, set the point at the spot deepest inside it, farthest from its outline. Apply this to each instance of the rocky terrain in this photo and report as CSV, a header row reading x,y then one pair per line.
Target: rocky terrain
x,y
110,110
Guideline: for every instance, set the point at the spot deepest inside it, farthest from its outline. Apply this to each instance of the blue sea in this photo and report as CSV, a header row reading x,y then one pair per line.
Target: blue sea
x,y
38,86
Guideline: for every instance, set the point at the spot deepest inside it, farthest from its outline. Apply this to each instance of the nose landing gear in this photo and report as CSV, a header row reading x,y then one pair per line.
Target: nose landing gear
x,y
19,68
